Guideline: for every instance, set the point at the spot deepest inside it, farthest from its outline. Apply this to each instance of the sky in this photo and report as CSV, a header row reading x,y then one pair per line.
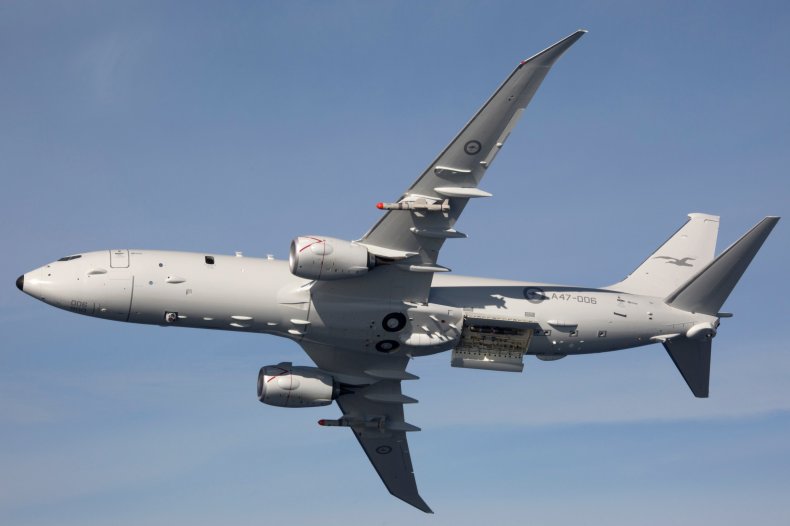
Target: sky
x,y
225,126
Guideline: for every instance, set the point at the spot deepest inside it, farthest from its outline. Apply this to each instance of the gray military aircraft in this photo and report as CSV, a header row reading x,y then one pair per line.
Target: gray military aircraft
x,y
361,309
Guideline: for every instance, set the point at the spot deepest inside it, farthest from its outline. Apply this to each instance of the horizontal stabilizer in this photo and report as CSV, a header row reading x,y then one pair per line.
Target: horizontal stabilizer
x,y
692,358
678,259
707,291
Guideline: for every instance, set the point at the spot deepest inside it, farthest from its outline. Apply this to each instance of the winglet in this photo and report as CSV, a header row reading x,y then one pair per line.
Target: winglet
x,y
549,55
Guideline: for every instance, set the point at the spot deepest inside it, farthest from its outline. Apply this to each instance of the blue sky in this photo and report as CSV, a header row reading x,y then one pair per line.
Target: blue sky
x,y
236,126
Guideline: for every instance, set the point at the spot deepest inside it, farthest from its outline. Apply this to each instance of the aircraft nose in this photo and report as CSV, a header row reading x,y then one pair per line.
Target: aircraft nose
x,y
20,282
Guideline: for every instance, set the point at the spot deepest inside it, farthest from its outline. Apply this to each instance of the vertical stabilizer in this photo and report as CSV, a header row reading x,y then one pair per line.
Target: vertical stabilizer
x,y
678,259
707,291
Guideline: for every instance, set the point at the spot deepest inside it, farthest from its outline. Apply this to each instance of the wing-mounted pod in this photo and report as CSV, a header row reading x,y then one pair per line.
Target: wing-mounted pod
x,y
327,258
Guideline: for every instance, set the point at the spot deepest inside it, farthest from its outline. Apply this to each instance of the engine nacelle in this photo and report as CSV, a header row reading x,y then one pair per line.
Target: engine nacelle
x,y
325,258
283,385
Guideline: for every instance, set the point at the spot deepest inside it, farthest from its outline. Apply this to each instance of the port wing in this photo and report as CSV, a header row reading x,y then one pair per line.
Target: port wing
x,y
382,435
372,404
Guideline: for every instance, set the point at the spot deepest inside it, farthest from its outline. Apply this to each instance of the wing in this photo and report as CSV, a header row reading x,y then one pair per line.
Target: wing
x,y
372,405
415,227
382,434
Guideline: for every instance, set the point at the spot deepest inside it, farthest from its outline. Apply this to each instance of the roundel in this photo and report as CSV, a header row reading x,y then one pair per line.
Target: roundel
x,y
387,345
393,322
473,147
534,294
383,450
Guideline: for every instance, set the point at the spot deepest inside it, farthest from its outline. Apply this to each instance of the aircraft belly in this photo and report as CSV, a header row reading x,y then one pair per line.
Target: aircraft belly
x,y
352,325
383,326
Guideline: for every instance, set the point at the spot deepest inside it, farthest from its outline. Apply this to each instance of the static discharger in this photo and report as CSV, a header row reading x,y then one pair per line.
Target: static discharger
x,y
417,206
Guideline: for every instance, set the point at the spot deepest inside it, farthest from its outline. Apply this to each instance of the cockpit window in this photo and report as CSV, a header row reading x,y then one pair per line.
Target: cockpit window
x,y
69,258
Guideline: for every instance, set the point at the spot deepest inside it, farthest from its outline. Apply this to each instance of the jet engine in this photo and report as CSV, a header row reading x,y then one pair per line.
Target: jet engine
x,y
283,385
327,258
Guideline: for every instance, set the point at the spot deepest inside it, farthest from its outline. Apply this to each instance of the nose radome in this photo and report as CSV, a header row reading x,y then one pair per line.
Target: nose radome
x,y
20,282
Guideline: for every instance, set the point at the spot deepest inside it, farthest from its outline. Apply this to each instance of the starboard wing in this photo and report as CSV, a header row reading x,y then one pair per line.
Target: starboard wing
x,y
415,227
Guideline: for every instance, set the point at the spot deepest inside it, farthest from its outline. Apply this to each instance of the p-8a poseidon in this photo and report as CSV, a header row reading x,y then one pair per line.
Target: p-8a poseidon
x,y
361,309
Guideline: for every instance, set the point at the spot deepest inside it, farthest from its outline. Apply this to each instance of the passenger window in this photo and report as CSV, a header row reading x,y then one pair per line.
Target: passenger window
x,y
209,260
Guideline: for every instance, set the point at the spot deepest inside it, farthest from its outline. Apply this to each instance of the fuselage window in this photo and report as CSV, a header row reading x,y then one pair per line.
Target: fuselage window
x,y
69,258
209,260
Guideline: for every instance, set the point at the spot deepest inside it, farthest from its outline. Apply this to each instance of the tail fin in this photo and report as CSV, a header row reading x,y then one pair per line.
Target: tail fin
x,y
707,291
676,261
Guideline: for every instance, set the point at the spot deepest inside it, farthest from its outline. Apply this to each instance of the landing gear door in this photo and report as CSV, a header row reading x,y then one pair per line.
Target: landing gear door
x,y
119,258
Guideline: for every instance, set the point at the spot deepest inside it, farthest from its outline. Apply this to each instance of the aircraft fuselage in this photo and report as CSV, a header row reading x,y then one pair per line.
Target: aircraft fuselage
x,y
248,294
